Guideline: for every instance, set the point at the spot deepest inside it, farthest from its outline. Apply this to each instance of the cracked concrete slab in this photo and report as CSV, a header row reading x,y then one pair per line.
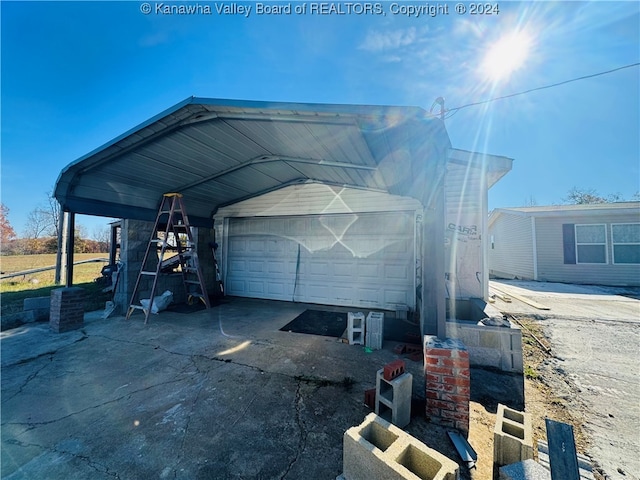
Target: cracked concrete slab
x,y
216,394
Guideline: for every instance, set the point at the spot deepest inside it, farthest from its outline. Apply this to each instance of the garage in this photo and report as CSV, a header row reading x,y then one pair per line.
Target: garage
x,y
324,239
352,259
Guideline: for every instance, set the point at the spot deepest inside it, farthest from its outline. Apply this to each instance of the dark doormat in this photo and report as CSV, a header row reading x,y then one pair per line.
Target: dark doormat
x,y
318,322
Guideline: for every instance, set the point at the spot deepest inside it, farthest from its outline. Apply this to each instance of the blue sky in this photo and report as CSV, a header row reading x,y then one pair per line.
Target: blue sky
x,y
77,74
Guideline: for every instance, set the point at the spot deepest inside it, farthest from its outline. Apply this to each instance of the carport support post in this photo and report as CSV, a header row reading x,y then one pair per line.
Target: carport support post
x,y
433,319
71,226
61,253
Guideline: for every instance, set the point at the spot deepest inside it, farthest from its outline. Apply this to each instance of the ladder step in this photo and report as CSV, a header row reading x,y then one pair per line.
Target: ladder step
x,y
177,223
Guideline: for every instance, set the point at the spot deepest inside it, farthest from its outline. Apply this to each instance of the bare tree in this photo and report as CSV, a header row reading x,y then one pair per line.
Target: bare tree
x,y
38,224
54,212
577,196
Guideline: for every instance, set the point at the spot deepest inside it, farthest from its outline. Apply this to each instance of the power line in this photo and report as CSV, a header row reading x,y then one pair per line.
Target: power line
x,y
453,111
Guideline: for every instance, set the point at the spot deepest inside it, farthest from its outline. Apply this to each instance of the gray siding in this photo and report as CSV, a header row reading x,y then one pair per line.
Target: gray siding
x,y
551,265
512,252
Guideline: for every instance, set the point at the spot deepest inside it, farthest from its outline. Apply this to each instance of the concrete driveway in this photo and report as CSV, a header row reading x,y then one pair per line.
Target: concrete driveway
x,y
216,394
595,336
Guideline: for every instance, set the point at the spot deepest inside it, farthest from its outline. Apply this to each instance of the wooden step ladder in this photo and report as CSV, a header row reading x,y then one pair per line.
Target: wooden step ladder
x,y
172,222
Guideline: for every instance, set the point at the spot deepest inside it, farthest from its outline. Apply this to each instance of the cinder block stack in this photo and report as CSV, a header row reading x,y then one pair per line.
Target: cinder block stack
x,y
512,436
374,330
447,382
67,309
355,328
393,394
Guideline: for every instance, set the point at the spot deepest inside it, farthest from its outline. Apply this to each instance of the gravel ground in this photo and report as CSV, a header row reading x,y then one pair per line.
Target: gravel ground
x,y
594,364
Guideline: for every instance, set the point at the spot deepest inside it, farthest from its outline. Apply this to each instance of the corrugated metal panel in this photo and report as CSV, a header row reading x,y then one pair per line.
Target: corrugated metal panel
x,y
314,199
193,148
551,265
512,252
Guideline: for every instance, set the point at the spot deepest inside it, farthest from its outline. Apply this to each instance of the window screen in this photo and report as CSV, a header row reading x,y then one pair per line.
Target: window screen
x,y
626,242
591,243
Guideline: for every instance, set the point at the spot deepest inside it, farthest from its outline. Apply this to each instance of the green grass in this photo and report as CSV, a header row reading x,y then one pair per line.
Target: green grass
x,y
14,290
530,372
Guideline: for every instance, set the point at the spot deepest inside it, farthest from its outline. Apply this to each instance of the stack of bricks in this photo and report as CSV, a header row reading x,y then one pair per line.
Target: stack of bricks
x,y
67,309
447,382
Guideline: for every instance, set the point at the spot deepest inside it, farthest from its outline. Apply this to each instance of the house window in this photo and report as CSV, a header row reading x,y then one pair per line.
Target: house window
x,y
591,243
626,242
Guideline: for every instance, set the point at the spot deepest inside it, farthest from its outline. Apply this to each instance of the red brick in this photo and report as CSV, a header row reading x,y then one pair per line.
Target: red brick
x,y
433,411
466,391
393,370
454,362
416,357
441,387
432,360
438,352
411,348
462,354
370,398
442,405
463,382
443,422
465,373
433,378
433,394
455,415
399,349
457,399
436,369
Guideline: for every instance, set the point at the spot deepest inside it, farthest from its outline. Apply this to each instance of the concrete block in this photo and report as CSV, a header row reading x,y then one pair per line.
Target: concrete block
x,y
393,398
355,328
512,436
40,307
13,320
374,330
378,449
527,470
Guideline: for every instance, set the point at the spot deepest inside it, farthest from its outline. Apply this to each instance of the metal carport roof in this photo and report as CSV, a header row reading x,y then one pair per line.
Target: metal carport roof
x,y
217,152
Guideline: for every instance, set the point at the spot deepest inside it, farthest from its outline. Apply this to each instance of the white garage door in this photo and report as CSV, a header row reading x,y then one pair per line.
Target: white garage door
x,y
362,260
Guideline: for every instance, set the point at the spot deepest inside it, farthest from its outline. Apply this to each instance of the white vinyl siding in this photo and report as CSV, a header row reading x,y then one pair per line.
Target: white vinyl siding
x,y
512,253
625,240
591,243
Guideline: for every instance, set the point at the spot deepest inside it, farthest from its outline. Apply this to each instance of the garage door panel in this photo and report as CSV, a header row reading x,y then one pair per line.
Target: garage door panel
x,y
396,297
342,270
396,272
276,267
255,267
355,260
368,271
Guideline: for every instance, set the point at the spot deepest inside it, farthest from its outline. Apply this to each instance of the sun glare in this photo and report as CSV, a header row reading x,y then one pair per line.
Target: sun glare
x,y
506,56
